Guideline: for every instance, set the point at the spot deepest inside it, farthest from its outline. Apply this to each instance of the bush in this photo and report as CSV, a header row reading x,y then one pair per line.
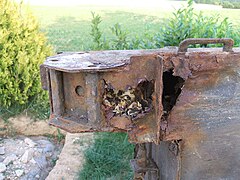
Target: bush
x,y
236,5
215,2
186,23
22,49
227,4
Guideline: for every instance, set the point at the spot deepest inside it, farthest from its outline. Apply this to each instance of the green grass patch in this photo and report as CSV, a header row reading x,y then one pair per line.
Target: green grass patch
x,y
108,158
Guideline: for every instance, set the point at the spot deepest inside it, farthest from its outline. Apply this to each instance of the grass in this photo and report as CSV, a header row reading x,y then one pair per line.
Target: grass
x,y
37,110
77,37
68,28
108,158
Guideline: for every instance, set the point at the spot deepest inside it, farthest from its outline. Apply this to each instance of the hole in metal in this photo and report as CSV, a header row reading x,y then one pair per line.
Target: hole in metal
x,y
172,88
133,102
54,59
79,90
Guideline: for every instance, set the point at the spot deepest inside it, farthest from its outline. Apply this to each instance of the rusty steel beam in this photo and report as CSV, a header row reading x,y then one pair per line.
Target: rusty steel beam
x,y
82,92
193,137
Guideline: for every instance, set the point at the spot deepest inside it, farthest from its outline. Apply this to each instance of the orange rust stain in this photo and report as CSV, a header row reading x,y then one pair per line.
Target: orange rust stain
x,y
120,122
203,80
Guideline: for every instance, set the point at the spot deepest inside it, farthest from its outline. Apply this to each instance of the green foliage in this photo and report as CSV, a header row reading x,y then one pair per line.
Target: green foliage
x,y
97,34
120,42
186,23
60,136
120,39
179,27
37,107
22,49
236,5
227,4
215,2
108,158
231,4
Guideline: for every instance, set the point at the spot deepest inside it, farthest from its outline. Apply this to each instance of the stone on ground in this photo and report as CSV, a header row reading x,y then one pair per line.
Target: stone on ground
x,y
2,167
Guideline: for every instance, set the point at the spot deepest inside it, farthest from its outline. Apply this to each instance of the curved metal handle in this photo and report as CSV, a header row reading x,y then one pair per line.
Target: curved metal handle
x,y
227,43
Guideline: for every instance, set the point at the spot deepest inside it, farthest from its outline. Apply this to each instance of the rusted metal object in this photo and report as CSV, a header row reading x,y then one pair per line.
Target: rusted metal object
x,y
182,104
85,91
227,42
205,119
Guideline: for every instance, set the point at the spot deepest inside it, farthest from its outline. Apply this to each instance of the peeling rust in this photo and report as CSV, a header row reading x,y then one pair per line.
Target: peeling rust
x,y
44,77
192,98
78,93
84,98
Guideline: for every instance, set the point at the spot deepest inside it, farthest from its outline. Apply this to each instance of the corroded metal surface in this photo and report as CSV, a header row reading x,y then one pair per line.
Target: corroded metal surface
x,y
78,95
227,42
206,117
206,69
92,61
199,135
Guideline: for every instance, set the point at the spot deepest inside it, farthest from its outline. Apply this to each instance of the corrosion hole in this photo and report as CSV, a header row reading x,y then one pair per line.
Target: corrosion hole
x,y
132,102
79,90
172,87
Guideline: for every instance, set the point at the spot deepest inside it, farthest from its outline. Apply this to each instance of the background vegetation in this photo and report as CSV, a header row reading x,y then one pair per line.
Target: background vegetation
x,y
233,4
22,49
184,23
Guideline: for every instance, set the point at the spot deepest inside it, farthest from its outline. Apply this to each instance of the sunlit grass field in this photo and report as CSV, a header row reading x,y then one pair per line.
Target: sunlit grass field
x,y
68,28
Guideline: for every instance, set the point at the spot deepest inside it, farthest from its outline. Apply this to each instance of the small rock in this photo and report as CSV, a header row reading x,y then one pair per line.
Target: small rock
x,y
48,155
33,173
37,176
39,150
33,161
30,142
48,148
16,162
19,172
41,162
2,177
27,156
43,142
37,153
10,159
2,167
2,150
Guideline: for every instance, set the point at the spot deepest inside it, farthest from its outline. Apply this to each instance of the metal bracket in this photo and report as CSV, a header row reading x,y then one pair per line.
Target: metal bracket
x,y
227,42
